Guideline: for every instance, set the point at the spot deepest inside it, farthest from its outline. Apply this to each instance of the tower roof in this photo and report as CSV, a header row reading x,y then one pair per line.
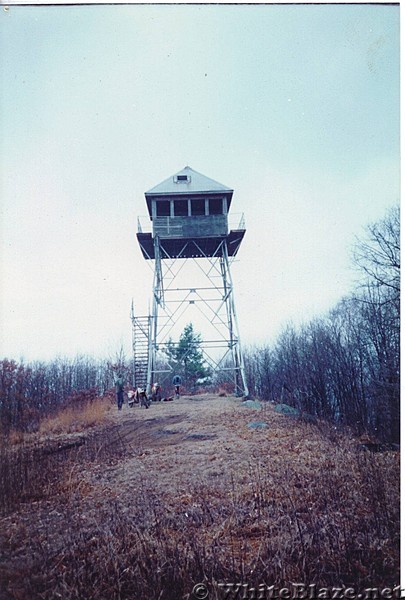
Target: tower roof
x,y
188,181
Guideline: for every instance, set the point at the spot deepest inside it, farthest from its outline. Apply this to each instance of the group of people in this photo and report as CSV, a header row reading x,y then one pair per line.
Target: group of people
x,y
140,395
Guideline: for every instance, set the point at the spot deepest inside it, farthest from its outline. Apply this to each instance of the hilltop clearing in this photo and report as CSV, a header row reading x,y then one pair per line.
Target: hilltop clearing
x,y
202,489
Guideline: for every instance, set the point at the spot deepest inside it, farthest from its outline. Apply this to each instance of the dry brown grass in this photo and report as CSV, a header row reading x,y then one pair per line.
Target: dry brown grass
x,y
76,418
35,465
15,437
187,492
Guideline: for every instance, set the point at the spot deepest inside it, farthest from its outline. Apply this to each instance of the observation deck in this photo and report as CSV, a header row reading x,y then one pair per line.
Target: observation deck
x,y
191,237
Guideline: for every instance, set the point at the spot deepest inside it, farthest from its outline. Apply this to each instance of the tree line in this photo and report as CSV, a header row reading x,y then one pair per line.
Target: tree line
x,y
30,391
345,366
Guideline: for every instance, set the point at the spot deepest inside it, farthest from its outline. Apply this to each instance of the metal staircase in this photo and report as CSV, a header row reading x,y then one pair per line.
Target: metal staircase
x,y
140,347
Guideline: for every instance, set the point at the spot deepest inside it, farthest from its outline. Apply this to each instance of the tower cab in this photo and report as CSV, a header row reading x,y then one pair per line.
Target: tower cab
x,y
189,207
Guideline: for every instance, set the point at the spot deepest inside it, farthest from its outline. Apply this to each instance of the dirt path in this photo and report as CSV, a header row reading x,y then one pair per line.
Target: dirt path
x,y
182,443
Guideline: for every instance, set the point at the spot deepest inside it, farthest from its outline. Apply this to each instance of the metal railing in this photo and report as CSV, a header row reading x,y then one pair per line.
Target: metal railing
x,y
236,221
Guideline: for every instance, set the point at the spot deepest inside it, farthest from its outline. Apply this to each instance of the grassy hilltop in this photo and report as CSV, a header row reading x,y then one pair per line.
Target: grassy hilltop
x,y
146,503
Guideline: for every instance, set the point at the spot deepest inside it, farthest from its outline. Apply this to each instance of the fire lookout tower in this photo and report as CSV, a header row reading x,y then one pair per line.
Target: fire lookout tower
x,y
189,222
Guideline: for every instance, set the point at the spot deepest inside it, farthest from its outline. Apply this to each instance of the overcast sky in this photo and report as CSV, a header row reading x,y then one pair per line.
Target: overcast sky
x,y
294,107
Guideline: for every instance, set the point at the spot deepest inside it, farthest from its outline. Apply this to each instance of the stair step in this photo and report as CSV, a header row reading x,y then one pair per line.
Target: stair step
x,y
140,347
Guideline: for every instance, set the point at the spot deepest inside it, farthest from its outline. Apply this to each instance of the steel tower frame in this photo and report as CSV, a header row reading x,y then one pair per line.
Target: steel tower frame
x,y
215,301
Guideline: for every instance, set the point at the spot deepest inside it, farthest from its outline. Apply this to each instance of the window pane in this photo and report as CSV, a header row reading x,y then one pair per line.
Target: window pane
x,y
198,206
163,208
215,206
181,208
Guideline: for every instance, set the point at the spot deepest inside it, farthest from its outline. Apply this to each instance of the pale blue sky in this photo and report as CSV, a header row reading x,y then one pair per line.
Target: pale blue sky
x,y
294,107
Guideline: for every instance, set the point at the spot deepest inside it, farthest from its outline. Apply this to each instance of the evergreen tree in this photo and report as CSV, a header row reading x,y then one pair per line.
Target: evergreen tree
x,y
186,357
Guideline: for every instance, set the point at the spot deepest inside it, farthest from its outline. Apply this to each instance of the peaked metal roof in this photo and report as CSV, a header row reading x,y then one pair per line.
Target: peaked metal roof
x,y
195,182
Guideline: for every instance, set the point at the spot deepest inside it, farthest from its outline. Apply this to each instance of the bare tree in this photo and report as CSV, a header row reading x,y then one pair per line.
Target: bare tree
x,y
378,256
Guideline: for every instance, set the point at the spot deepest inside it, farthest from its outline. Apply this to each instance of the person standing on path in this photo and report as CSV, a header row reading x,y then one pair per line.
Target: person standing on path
x,y
177,384
119,386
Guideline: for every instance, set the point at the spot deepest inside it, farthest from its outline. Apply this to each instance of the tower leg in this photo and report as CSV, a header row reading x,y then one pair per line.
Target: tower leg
x,y
158,299
234,338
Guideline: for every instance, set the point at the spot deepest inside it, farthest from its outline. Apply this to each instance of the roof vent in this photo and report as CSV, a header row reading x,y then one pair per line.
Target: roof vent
x,y
182,179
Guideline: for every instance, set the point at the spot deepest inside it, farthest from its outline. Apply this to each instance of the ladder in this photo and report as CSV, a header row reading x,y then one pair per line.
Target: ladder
x,y
140,347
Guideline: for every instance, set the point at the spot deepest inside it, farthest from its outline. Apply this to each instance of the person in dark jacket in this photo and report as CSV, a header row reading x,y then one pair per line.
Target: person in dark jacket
x,y
177,384
119,387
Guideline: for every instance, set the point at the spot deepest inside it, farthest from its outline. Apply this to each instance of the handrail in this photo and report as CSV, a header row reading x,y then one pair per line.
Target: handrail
x,y
236,221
